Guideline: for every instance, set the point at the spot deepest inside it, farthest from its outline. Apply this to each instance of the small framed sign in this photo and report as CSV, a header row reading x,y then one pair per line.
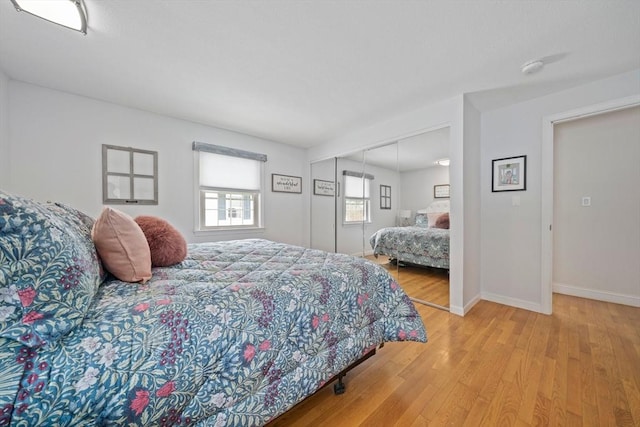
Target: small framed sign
x,y
441,191
323,188
286,183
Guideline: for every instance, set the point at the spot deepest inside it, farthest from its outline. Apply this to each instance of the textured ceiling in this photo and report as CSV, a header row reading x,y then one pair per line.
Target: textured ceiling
x,y
304,72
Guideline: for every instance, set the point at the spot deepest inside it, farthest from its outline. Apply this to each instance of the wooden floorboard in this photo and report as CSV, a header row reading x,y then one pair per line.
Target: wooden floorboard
x,y
498,365
423,283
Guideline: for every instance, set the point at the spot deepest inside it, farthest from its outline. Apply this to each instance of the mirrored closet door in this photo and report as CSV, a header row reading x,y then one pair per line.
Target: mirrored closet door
x,y
422,242
324,190
386,203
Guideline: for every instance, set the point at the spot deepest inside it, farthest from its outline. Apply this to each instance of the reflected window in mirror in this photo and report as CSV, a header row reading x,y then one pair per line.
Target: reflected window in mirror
x,y
357,197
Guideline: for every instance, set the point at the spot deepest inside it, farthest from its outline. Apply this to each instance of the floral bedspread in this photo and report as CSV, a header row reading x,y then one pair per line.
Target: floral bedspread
x,y
234,335
418,245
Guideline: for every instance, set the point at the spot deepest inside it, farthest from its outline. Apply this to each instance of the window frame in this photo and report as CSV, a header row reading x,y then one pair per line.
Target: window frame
x,y
200,210
203,190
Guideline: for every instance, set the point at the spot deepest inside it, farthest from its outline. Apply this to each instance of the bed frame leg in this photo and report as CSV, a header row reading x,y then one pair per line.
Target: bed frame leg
x,y
339,387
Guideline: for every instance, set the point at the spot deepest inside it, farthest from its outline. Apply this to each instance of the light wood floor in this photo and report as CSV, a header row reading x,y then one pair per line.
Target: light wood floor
x,y
428,284
497,366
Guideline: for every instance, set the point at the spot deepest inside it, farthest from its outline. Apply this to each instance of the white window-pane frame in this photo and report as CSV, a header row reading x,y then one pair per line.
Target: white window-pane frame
x,y
228,208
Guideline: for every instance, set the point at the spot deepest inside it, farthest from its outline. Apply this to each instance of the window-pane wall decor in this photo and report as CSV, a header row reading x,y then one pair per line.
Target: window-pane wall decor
x,y
129,176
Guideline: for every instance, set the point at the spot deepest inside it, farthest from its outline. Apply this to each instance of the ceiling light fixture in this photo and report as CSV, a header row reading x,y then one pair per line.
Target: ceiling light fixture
x,y
442,162
532,67
68,13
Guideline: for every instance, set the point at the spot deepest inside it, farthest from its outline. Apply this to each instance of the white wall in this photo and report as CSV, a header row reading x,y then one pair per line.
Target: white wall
x,y
472,205
511,235
597,247
417,187
4,130
55,154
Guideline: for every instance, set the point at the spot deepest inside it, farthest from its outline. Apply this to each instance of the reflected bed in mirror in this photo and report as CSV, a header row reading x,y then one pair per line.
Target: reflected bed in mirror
x,y
422,250
425,243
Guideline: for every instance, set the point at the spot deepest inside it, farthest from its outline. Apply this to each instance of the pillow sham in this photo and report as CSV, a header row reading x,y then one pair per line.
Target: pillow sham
x,y
122,246
49,270
166,244
422,220
442,221
433,217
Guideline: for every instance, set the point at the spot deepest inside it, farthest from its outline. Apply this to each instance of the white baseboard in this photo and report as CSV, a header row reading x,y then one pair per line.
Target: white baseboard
x,y
513,302
471,303
562,288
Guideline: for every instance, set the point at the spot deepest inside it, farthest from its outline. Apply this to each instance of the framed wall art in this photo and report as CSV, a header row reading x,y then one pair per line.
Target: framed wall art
x,y
129,176
286,183
509,174
441,191
385,197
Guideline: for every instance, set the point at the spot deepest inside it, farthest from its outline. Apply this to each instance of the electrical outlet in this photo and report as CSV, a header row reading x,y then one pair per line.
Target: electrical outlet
x,y
586,201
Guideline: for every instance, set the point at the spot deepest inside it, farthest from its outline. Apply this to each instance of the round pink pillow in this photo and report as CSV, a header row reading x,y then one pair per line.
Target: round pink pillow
x,y
166,244
442,221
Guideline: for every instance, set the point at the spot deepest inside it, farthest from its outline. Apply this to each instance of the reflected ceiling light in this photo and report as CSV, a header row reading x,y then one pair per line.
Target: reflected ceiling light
x,y
442,162
68,13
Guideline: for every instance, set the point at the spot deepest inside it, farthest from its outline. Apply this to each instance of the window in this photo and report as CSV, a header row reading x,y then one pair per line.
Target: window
x,y
129,176
229,187
357,198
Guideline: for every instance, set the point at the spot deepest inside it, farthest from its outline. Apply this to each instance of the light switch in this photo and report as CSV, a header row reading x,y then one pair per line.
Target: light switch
x,y
586,201
515,200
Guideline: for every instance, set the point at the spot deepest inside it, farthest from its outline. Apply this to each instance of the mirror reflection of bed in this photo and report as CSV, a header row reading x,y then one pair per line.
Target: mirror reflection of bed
x,y
402,174
421,248
420,253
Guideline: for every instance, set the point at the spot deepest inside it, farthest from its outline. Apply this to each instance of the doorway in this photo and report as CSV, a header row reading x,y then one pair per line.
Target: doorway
x,y
548,187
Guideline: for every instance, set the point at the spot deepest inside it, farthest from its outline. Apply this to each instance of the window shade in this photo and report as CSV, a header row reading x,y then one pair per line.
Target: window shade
x,y
225,167
220,171
356,186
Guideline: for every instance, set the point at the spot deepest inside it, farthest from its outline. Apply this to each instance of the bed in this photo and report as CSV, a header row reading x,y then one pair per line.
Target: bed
x,y
422,243
235,334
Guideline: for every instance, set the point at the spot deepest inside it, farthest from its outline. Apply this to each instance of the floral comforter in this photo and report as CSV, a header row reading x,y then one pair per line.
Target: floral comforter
x,y
428,247
234,335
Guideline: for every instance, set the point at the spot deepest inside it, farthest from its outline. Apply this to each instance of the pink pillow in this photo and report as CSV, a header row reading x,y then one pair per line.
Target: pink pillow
x,y
433,217
442,221
167,245
122,246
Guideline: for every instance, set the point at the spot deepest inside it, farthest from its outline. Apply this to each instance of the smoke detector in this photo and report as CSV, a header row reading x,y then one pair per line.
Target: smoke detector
x,y
532,67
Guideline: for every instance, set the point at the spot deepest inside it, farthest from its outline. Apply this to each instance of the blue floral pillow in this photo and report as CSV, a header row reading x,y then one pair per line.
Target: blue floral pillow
x,y
422,220
49,270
